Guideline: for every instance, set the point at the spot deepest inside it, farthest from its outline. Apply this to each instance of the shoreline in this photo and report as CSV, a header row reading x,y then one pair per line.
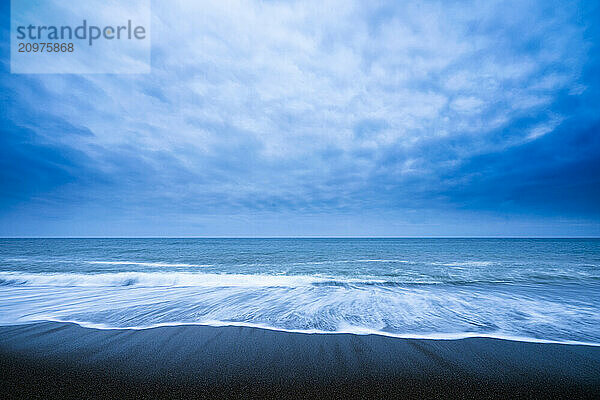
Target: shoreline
x,y
65,360
361,332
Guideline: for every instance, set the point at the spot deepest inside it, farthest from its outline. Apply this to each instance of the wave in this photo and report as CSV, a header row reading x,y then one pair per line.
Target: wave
x,y
302,303
187,279
198,279
330,262
148,264
374,261
154,279
466,264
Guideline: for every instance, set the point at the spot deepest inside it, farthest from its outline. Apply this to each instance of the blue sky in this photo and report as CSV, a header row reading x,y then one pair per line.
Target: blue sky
x,y
317,118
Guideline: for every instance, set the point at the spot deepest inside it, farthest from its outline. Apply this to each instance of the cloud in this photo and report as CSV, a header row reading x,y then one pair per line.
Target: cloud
x,y
310,107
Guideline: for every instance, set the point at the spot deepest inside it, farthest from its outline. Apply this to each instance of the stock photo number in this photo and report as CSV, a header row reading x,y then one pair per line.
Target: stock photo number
x,y
46,47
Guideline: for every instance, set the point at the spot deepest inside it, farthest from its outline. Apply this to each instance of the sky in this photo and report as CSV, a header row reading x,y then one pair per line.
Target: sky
x,y
317,118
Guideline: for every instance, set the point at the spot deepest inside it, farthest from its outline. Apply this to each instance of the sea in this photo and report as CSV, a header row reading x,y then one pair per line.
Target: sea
x,y
539,290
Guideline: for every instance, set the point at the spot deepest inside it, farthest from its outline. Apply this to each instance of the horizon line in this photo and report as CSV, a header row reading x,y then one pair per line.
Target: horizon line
x,y
302,237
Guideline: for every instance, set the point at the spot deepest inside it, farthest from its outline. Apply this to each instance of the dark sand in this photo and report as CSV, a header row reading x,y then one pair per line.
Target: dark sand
x,y
58,360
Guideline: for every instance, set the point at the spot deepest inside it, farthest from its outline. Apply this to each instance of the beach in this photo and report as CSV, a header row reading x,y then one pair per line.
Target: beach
x,y
299,318
64,360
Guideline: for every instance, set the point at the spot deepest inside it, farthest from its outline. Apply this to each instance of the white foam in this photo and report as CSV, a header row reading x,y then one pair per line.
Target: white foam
x,y
183,279
300,303
348,261
466,264
155,279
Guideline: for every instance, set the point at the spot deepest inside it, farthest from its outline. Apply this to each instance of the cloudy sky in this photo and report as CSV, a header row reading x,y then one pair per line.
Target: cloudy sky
x,y
276,118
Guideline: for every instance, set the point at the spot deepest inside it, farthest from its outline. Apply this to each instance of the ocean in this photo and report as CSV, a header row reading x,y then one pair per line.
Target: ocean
x,y
541,290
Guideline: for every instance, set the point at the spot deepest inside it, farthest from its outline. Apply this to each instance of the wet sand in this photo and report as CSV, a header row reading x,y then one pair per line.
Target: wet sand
x,y
61,360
